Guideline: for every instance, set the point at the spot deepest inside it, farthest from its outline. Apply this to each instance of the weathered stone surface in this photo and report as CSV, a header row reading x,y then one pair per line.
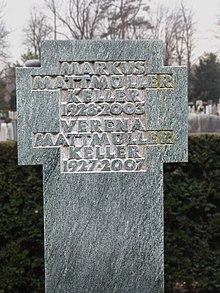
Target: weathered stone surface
x,y
102,159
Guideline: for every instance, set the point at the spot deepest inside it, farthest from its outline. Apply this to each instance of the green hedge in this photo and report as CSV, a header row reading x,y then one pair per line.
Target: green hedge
x,y
192,221
192,217
21,225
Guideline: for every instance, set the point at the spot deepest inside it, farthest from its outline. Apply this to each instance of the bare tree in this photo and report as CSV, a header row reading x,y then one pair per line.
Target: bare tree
x,y
189,28
36,31
170,37
89,19
3,35
52,5
124,19
80,18
164,28
176,28
3,59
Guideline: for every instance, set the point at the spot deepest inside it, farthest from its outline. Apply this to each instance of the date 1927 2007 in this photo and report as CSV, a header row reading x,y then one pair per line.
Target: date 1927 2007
x,y
106,165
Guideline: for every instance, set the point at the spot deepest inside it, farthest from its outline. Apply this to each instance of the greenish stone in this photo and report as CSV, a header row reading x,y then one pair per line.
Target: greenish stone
x,y
102,117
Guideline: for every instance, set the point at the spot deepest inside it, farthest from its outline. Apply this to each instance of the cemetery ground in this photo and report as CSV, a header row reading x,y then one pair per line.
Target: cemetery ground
x,y
192,219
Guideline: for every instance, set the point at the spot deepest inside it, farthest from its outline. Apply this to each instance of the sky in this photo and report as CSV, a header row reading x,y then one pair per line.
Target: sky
x,y
17,13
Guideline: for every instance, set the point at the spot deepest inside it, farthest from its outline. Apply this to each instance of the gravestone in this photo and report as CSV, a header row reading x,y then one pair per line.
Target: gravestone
x,y
102,117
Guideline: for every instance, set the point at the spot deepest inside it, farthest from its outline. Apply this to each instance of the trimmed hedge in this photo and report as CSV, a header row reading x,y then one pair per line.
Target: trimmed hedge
x,y
21,225
192,218
192,221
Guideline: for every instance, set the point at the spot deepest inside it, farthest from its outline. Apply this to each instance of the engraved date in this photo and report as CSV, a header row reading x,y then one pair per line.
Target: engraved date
x,y
106,165
102,109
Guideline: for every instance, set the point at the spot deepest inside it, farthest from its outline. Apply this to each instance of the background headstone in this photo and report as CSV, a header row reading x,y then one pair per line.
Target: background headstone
x,y
102,117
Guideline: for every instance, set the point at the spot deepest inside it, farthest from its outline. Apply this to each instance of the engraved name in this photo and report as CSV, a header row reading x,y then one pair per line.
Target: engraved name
x,y
103,115
149,81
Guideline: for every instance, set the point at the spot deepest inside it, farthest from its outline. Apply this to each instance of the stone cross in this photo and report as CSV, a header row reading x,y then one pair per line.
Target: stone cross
x,y
102,117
